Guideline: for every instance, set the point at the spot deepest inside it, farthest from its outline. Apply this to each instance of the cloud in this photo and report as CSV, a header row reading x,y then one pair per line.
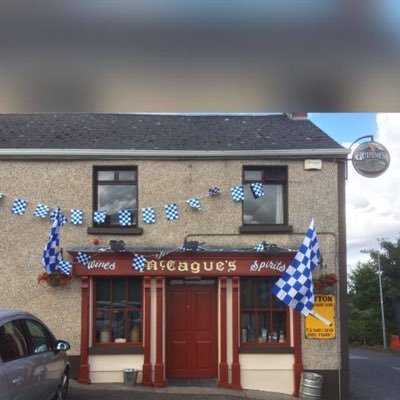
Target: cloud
x,y
373,204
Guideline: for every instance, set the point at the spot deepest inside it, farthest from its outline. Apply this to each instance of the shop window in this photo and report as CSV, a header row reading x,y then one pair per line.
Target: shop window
x,y
115,190
118,311
264,318
268,212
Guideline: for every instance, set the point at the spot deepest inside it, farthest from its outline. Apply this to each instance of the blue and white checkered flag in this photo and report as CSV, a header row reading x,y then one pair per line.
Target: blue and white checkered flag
x,y
237,193
171,212
125,218
41,211
194,203
148,215
139,262
99,217
260,247
295,287
83,258
257,189
214,191
1,195
19,206
54,216
65,267
51,255
76,216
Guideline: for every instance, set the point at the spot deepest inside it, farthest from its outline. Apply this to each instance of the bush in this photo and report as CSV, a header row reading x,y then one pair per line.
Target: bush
x,y
368,332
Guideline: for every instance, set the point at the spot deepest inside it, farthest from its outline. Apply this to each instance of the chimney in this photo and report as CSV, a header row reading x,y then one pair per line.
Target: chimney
x,y
297,116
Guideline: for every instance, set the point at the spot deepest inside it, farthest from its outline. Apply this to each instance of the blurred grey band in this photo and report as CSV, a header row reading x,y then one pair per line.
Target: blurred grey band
x,y
167,154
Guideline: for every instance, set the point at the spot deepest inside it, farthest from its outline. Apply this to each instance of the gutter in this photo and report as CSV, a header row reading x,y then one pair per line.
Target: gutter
x,y
88,154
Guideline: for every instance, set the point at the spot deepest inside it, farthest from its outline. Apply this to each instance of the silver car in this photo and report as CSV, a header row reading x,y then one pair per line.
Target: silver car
x,y
33,364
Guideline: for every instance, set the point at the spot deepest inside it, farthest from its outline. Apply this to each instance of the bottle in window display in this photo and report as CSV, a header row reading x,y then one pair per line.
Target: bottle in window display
x,y
105,335
281,337
264,334
244,335
135,334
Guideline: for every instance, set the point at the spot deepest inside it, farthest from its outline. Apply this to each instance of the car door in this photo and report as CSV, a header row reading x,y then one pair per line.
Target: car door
x,y
16,367
49,363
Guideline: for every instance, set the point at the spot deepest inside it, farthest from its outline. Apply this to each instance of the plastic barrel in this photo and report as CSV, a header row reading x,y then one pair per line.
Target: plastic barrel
x,y
310,386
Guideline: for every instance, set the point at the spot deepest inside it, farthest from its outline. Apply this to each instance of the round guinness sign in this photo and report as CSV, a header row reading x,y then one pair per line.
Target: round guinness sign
x,y
371,159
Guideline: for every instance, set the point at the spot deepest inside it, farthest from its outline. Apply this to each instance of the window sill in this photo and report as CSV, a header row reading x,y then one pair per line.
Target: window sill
x,y
266,229
116,349
266,349
114,231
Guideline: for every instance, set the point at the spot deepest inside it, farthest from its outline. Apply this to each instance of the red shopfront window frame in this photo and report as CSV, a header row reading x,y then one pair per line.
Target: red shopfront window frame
x,y
118,321
264,319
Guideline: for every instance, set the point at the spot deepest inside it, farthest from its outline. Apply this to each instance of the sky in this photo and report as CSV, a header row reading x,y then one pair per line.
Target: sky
x,y
372,204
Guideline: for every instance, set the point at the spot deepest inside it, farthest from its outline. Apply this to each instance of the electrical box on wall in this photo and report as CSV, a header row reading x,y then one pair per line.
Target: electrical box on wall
x,y
313,165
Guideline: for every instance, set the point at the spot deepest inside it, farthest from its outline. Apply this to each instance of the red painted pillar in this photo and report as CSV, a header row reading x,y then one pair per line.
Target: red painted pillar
x,y
223,365
298,364
159,366
84,367
146,375
235,334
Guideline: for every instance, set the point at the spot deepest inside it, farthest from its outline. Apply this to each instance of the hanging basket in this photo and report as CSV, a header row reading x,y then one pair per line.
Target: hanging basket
x,y
325,284
55,279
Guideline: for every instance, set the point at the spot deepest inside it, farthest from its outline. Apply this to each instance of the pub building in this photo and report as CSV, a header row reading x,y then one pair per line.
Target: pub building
x,y
199,307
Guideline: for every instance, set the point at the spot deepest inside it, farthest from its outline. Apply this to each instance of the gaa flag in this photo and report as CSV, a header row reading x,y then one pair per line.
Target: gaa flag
x,y
51,254
295,287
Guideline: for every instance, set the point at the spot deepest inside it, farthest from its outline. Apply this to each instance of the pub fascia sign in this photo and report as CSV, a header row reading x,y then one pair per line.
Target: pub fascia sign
x,y
193,267
371,159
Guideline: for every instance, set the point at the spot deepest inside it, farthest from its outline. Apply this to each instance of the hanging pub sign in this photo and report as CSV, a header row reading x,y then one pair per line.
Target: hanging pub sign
x,y
371,159
324,305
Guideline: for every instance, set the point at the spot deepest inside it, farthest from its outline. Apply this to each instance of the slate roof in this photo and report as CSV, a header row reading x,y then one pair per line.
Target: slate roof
x,y
160,132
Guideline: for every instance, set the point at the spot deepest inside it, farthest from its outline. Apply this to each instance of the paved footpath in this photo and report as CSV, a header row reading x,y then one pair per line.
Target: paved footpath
x,y
119,391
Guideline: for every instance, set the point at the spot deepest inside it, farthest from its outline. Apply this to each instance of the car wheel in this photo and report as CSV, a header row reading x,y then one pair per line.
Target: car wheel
x,y
62,389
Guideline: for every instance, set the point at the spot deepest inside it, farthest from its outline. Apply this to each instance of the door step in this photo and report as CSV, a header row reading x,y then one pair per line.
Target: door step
x,y
192,382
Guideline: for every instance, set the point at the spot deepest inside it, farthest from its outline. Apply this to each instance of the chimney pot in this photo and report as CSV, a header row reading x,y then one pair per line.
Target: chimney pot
x,y
297,116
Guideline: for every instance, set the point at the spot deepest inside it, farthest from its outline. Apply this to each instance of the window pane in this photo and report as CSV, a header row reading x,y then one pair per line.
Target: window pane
x,y
135,293
275,174
135,326
114,198
40,337
118,324
103,330
105,175
12,341
267,209
263,293
103,293
127,175
248,327
247,293
119,293
250,175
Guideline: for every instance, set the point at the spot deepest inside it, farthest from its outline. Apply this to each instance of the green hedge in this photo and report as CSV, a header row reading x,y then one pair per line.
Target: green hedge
x,y
368,332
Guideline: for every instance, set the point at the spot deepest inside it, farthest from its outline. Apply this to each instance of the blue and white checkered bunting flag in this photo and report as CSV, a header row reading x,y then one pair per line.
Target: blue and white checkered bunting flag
x,y
1,195
171,212
19,206
65,267
260,247
83,258
125,217
53,216
257,189
51,255
295,287
214,191
148,215
139,262
237,193
99,216
194,203
76,216
41,211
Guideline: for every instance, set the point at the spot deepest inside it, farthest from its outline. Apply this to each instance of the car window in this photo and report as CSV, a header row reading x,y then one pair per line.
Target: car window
x,y
40,337
12,341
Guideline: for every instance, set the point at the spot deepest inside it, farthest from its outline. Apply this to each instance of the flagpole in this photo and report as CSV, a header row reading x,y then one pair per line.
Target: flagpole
x,y
321,318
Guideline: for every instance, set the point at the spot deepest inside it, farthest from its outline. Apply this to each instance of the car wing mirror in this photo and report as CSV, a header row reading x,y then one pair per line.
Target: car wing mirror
x,y
62,345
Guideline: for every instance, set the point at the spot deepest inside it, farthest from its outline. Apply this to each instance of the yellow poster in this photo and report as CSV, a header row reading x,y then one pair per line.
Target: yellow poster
x,y
325,306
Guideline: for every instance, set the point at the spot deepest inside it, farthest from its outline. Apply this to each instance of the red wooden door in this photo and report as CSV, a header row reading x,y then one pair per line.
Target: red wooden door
x,y
191,337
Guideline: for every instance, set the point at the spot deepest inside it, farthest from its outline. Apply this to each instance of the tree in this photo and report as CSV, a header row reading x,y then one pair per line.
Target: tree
x,y
364,298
